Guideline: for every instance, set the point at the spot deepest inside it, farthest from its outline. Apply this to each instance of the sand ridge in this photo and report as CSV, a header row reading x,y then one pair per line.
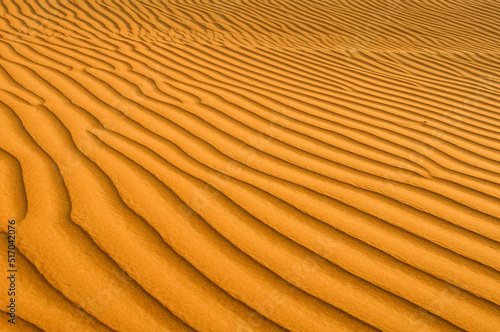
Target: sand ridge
x,y
251,165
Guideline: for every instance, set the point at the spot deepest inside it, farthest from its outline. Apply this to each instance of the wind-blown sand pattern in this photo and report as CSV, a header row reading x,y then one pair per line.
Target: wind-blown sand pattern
x,y
250,165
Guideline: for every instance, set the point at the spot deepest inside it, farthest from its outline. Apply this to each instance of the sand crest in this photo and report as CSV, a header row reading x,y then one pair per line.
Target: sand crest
x,y
245,165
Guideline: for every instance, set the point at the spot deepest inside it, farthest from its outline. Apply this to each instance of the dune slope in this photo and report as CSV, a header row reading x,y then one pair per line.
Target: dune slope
x,y
245,165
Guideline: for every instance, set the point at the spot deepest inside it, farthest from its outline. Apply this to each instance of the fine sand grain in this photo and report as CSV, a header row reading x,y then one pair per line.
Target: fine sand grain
x,y
248,165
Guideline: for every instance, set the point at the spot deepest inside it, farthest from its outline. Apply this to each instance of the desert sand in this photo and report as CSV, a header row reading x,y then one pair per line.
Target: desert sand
x,y
250,165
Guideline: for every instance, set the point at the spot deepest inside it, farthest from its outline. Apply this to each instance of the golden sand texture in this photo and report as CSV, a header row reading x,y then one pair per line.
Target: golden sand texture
x,y
251,165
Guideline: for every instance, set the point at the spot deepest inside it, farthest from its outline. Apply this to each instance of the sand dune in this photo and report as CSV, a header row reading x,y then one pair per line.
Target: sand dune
x,y
245,165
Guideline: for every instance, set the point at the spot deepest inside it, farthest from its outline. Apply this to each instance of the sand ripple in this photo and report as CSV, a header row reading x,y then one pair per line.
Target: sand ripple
x,y
244,165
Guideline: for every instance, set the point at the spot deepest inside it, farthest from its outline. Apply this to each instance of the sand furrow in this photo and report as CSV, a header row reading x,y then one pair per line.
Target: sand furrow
x,y
263,139
332,249
304,267
180,165
206,138
96,231
12,193
44,306
79,258
297,302
130,228
349,104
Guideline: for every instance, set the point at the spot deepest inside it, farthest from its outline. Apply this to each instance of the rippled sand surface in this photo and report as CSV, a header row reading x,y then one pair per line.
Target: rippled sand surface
x,y
251,165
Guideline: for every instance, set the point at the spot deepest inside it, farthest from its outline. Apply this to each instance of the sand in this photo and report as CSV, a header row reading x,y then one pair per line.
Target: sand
x,y
247,165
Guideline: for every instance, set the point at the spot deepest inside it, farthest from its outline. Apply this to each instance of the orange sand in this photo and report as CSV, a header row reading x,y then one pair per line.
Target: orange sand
x,y
247,165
